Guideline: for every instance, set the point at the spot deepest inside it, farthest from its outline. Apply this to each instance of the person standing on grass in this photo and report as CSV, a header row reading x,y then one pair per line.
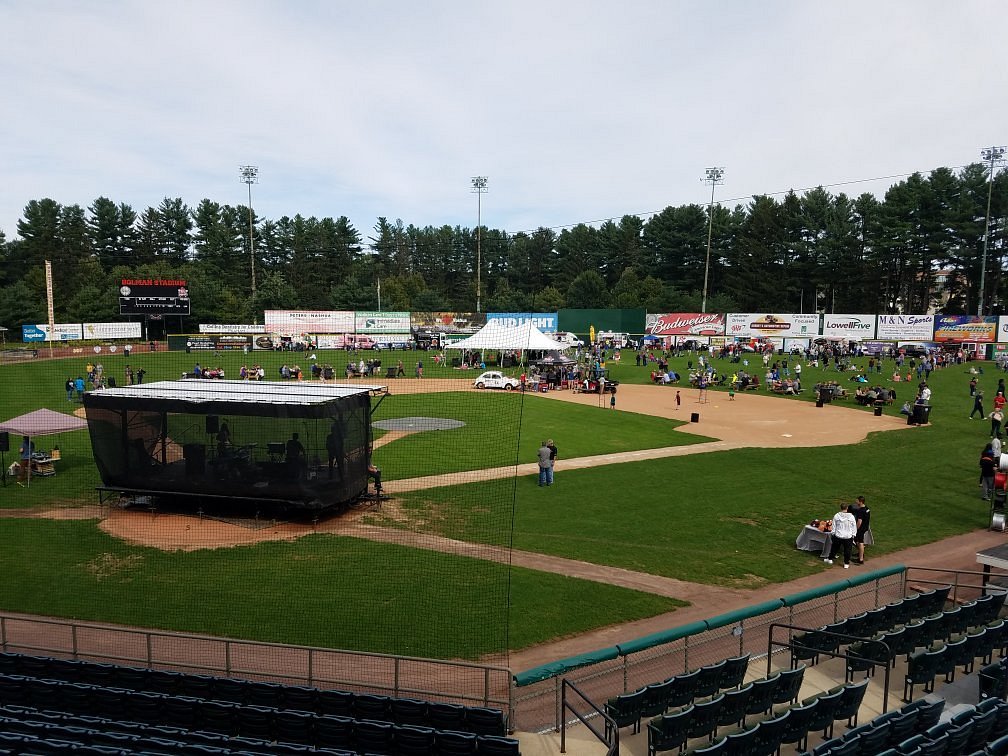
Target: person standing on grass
x,y
844,530
977,403
862,514
988,466
545,465
553,458
678,400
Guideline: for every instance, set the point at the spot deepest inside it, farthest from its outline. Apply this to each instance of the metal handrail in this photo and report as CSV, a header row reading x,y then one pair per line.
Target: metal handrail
x,y
613,746
836,655
397,687
956,583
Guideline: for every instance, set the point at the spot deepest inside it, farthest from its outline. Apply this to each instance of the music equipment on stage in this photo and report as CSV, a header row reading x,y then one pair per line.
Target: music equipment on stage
x,y
212,425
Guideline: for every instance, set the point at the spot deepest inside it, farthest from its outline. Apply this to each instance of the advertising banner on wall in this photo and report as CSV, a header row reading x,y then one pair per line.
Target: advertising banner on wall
x,y
544,321
1002,331
296,322
956,328
685,324
211,342
112,331
448,322
896,327
382,322
230,328
60,332
763,325
852,327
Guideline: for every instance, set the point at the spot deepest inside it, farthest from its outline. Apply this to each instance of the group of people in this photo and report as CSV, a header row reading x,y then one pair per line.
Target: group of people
x,y
851,527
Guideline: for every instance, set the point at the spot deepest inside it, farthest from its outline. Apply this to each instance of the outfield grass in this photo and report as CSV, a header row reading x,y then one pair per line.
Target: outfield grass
x,y
320,590
722,518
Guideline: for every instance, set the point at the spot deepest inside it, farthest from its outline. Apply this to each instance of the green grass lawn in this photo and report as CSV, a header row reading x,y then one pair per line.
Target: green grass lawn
x,y
723,518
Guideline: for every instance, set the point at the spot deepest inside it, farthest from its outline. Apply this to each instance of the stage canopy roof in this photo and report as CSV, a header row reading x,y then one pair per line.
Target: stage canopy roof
x,y
498,335
212,396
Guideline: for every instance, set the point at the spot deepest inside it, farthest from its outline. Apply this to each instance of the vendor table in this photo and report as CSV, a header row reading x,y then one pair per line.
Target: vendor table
x,y
813,539
42,466
996,556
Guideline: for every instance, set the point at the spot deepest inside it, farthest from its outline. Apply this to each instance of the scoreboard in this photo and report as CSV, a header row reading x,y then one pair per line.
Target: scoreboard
x,y
153,296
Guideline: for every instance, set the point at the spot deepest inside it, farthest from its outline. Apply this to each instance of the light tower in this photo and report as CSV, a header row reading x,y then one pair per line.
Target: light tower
x,y
994,156
479,186
250,175
712,176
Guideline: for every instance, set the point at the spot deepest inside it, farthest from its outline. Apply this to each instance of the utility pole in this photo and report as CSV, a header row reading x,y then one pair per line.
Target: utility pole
x,y
479,186
713,176
994,156
250,175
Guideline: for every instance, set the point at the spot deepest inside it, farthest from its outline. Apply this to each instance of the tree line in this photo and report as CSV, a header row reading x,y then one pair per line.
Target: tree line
x,y
807,252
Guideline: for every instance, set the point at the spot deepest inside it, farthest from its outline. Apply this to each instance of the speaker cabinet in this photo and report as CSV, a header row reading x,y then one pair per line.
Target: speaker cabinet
x,y
4,441
212,424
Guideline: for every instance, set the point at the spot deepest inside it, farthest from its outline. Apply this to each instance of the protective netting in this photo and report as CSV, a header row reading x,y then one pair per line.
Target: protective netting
x,y
252,509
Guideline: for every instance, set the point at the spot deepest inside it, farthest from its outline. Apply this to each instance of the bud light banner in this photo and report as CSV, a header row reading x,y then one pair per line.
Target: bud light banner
x,y
899,327
958,328
756,325
544,321
686,324
853,327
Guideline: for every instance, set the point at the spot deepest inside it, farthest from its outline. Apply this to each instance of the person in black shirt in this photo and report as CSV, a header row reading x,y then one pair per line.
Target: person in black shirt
x,y
862,514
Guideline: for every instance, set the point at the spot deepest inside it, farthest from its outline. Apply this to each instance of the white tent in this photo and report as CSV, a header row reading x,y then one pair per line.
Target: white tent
x,y
497,335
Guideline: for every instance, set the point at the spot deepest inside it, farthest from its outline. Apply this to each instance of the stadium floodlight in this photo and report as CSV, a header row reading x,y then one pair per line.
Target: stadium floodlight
x,y
250,175
994,156
712,176
479,186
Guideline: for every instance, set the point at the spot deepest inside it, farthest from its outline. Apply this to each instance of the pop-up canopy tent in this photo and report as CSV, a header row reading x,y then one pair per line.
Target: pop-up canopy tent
x,y
498,335
554,359
42,422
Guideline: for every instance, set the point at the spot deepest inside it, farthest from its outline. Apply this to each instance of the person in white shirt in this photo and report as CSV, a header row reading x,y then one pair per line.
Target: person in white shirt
x,y
844,530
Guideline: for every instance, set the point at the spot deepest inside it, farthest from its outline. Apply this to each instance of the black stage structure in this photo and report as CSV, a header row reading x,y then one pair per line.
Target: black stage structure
x,y
306,445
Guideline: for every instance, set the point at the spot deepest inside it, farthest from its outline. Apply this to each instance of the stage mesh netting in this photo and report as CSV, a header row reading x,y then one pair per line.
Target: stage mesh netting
x,y
365,514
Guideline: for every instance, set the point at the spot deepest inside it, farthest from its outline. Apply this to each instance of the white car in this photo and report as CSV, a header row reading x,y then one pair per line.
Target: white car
x,y
496,379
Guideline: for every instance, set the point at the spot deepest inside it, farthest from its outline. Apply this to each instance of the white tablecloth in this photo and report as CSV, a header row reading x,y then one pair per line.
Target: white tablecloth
x,y
813,539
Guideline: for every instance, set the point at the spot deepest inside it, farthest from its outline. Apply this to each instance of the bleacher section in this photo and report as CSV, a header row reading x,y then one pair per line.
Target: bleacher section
x,y
712,710
50,705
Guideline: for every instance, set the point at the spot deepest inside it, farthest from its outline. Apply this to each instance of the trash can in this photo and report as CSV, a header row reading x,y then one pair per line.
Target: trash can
x,y
921,413
826,395
878,407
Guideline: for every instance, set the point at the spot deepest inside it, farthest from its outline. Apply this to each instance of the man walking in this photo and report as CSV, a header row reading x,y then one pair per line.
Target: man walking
x,y
844,530
977,403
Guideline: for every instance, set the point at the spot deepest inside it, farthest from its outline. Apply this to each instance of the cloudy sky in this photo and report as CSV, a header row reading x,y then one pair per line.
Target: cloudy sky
x,y
575,111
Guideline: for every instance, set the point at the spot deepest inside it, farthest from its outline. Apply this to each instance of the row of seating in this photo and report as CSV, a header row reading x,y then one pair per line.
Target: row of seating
x,y
909,732
307,729
791,725
628,709
702,718
442,716
902,638
942,659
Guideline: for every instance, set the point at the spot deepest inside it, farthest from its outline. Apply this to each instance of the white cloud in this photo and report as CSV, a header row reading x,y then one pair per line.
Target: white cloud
x,y
575,110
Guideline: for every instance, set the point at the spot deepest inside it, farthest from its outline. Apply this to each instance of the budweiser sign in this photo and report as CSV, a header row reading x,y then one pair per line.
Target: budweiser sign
x,y
687,324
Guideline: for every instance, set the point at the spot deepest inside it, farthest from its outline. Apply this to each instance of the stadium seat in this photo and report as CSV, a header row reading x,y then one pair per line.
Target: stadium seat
x,y
789,683
449,716
411,740
770,733
684,690
299,697
669,732
734,706
623,710
372,736
371,706
709,680
334,732
704,721
733,674
337,703
255,722
451,743
228,689
485,721
761,697
797,728
409,711
294,726
656,697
